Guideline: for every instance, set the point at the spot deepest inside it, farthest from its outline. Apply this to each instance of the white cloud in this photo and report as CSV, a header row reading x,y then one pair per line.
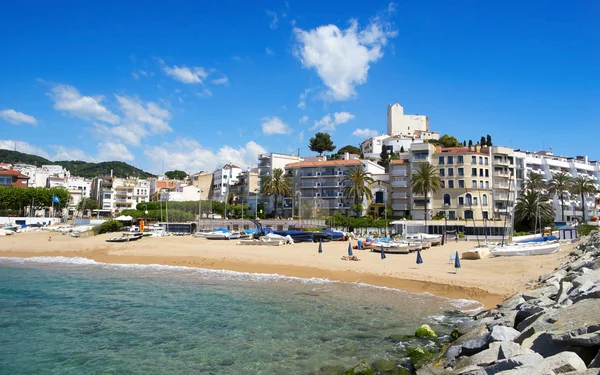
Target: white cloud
x,y
139,73
149,116
23,147
302,102
300,137
187,75
206,93
221,81
303,119
65,153
131,134
111,151
365,133
273,22
191,156
15,117
269,51
329,123
342,58
68,99
274,125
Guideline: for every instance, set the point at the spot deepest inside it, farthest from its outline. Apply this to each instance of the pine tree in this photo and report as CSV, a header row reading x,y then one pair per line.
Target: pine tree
x,y
489,140
482,142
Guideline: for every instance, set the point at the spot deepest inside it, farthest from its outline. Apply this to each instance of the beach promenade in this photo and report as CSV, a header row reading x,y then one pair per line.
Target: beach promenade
x,y
488,280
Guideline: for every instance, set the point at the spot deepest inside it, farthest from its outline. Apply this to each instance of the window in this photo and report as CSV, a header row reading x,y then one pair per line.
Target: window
x,y
461,171
487,184
442,172
468,200
441,160
486,161
452,215
461,201
443,184
481,184
450,184
450,172
475,201
5,180
446,199
461,184
480,172
450,159
473,159
473,171
107,196
474,184
485,215
480,160
487,173
460,159
484,200
468,214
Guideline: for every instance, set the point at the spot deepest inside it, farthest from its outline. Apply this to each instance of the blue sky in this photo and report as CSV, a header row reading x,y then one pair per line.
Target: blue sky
x,y
194,85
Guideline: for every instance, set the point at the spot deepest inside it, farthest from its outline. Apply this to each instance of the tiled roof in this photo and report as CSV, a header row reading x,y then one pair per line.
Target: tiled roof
x,y
461,150
397,162
328,163
12,172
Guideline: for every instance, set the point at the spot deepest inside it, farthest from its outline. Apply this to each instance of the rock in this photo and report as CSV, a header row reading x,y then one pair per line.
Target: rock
x,y
563,292
523,325
596,361
330,370
526,309
590,371
526,370
475,345
563,362
419,356
472,370
362,368
511,363
452,352
482,359
500,333
474,324
425,331
388,367
548,290
593,293
504,318
512,302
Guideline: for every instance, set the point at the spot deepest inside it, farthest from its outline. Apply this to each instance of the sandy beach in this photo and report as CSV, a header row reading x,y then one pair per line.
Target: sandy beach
x,y
488,280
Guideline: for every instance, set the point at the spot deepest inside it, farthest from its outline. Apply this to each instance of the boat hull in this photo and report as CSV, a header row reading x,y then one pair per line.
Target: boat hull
x,y
525,249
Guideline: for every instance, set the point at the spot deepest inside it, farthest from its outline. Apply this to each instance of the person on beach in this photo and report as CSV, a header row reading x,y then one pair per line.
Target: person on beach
x,y
351,257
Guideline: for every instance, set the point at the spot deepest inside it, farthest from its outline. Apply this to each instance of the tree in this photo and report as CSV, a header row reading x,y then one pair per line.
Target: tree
x,y
349,149
533,206
489,140
384,158
583,186
470,143
276,184
320,143
356,182
448,141
482,142
424,180
87,204
535,182
401,149
559,185
464,143
176,175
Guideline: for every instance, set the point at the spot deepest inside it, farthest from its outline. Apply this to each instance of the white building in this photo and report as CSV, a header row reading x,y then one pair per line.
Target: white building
x,y
399,144
266,164
38,176
372,147
183,193
223,178
405,125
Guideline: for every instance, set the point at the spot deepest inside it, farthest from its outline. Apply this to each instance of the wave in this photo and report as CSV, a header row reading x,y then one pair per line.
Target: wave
x,y
465,305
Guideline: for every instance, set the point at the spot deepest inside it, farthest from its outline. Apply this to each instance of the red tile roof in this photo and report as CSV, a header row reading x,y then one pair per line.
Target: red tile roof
x,y
328,163
12,172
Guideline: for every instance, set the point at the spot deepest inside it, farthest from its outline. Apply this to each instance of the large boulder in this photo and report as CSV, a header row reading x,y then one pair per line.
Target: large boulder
x,y
514,362
563,362
501,333
497,351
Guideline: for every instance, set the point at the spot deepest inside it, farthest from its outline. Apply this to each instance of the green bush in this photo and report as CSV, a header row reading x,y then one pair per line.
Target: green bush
x,y
517,234
585,229
108,227
461,235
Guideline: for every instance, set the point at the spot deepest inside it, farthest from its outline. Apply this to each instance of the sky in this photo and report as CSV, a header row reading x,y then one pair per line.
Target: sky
x,y
193,85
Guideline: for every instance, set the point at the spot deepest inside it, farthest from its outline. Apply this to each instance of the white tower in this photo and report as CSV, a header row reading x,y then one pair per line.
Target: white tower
x,y
395,119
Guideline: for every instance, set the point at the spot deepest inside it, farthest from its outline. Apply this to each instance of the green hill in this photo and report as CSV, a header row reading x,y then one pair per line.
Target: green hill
x,y
76,167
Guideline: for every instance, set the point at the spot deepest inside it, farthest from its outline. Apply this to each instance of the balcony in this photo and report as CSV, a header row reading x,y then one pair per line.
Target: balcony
x,y
501,186
419,160
308,175
400,206
399,183
502,162
501,174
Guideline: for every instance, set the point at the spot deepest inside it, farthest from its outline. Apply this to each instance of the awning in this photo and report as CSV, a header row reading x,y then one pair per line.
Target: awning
x,y
124,218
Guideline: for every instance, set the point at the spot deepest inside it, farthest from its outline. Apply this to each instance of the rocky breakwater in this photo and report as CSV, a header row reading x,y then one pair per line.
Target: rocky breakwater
x,y
551,329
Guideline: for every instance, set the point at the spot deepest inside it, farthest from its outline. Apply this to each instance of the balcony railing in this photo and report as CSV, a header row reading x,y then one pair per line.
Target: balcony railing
x,y
399,183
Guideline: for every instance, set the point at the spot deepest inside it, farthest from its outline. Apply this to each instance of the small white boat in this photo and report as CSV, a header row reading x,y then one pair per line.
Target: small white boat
x,y
433,239
12,228
218,235
524,249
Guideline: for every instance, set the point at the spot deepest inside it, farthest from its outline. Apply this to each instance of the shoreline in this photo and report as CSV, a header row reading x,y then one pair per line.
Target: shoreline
x,y
488,281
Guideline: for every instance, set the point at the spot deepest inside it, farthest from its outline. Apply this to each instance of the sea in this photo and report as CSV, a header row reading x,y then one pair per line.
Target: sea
x,y
76,316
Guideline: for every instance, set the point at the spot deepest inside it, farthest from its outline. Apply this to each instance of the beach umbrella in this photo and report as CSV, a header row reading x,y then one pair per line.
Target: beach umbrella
x,y
456,261
382,252
349,249
320,247
419,259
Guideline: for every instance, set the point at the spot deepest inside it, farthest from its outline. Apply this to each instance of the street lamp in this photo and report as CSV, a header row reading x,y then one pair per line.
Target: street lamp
x,y
256,191
299,194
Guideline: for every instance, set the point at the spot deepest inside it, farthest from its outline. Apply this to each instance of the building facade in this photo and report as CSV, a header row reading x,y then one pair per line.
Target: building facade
x,y
267,163
405,125
223,178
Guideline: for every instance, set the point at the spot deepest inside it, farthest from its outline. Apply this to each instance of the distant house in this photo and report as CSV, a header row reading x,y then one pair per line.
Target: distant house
x,y
10,177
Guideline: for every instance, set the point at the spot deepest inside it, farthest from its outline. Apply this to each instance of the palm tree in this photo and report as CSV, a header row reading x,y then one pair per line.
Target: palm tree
x,y
425,179
535,181
357,183
559,185
583,186
532,206
276,184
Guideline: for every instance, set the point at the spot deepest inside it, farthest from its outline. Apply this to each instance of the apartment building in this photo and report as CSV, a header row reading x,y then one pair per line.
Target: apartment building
x,y
13,178
204,181
268,162
504,188
399,182
44,176
223,178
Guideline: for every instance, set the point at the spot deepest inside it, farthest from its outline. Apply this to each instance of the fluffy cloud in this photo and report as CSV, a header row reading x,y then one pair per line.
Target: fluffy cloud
x,y
111,151
149,116
187,75
342,58
24,147
329,123
365,133
273,22
15,117
221,81
303,119
68,99
274,125
189,155
65,153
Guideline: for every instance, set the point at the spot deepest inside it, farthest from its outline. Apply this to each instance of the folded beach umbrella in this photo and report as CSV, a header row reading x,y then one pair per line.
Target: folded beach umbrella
x,y
320,247
456,261
419,259
382,252
349,248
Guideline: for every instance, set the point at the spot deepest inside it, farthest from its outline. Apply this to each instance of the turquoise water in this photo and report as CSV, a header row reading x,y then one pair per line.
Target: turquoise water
x,y
75,316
